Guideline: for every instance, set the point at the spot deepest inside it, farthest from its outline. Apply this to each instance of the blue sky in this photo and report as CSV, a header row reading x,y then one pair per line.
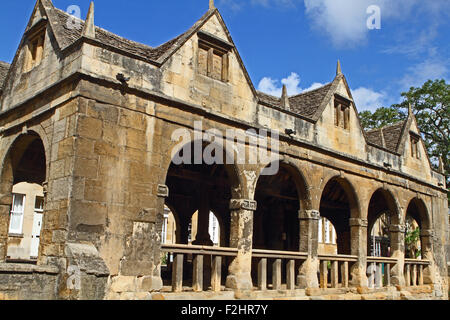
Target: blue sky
x,y
295,42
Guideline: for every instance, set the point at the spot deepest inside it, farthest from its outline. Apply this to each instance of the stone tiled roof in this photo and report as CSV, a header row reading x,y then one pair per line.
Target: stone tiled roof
x,y
4,68
305,104
68,36
390,134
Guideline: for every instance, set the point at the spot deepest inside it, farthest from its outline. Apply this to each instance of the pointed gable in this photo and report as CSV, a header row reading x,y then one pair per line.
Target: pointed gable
x,y
304,104
388,137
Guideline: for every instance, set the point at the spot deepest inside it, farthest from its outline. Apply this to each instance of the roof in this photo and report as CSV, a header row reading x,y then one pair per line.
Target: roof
x,y
388,137
67,36
305,104
4,68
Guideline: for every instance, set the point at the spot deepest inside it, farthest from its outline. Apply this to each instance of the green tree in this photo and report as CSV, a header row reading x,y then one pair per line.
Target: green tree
x,y
381,117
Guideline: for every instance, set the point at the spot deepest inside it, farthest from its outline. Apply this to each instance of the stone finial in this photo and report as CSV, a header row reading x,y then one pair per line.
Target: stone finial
x,y
89,27
410,110
338,68
441,165
211,5
285,98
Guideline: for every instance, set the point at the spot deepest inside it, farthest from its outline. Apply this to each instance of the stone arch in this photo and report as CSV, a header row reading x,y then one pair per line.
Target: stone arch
x,y
339,203
280,197
25,160
418,211
220,183
383,209
301,182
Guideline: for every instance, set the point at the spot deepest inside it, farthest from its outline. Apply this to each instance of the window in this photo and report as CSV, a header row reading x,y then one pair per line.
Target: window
x,y
320,230
327,232
39,205
17,211
213,56
35,50
415,147
342,113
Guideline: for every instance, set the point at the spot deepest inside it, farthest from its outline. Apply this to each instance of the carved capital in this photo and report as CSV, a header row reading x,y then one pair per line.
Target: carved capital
x,y
237,204
162,191
397,228
427,233
309,215
357,222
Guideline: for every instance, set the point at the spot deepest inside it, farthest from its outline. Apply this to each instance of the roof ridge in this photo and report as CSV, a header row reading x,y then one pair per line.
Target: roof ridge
x,y
267,94
387,126
309,91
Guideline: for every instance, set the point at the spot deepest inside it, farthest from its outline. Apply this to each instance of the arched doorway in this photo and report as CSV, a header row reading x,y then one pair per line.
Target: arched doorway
x,y
338,204
23,175
200,194
417,223
276,224
382,213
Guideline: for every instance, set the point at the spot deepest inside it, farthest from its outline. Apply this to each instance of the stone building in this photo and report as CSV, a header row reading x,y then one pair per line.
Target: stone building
x,y
102,118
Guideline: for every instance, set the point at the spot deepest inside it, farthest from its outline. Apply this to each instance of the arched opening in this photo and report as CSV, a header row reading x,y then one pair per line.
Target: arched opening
x,y
338,205
276,224
23,176
201,189
382,213
327,237
200,193
416,221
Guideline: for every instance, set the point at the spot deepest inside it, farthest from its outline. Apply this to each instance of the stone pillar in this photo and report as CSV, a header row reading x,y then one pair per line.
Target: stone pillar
x,y
241,234
309,242
426,239
397,238
143,253
203,237
358,230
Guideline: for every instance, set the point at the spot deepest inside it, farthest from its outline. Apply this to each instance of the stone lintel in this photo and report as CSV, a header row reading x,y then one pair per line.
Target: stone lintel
x,y
162,191
358,222
237,204
309,215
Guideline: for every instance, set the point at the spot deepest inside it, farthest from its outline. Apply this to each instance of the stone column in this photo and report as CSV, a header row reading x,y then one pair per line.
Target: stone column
x,y
397,238
241,234
142,258
203,237
358,230
426,239
309,242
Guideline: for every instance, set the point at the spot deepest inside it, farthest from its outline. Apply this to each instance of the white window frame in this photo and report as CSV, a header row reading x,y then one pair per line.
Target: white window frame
x,y
321,230
20,229
327,232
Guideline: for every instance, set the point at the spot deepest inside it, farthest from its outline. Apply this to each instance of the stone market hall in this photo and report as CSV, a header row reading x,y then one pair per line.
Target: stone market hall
x,y
87,177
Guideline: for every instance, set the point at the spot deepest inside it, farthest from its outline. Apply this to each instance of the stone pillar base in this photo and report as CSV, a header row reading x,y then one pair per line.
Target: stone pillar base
x,y
241,281
307,277
359,277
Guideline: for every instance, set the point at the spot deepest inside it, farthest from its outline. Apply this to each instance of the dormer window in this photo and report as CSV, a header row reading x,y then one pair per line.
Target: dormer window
x,y
35,50
342,112
415,146
213,56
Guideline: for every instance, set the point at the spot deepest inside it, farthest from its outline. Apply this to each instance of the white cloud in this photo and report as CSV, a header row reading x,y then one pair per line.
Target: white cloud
x,y
368,99
345,21
430,69
274,86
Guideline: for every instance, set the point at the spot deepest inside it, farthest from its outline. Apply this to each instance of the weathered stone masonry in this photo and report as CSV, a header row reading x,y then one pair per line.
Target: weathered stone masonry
x,y
105,109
